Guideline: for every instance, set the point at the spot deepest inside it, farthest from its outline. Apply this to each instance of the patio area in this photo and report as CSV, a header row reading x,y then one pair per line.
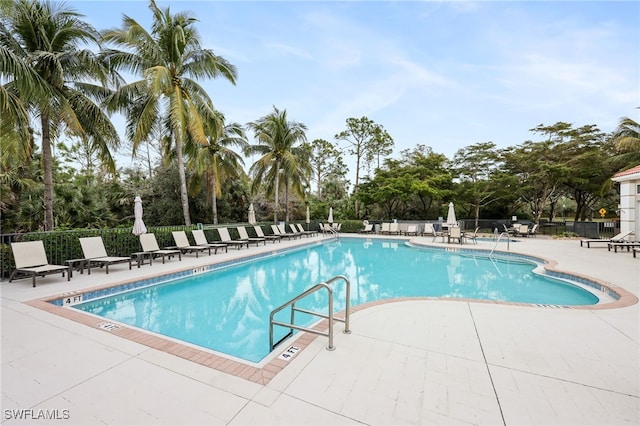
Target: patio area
x,y
416,361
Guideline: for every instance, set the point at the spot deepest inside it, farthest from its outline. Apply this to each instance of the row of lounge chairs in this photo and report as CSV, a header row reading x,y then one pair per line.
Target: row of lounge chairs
x,y
620,241
31,259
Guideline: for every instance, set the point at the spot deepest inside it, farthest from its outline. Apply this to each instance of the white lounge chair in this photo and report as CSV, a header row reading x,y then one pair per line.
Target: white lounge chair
x,y
294,230
277,231
201,240
430,230
183,244
31,260
368,228
226,238
95,254
411,230
618,238
386,228
310,232
271,237
151,249
242,231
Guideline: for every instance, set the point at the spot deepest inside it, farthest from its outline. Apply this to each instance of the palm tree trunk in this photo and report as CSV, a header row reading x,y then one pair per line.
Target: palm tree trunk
x,y
47,166
277,184
286,201
214,199
183,183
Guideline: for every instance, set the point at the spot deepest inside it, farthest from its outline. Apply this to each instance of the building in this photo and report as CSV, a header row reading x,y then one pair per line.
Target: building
x,y
629,207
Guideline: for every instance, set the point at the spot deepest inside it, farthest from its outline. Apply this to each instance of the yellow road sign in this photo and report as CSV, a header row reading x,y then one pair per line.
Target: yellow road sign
x,y
602,212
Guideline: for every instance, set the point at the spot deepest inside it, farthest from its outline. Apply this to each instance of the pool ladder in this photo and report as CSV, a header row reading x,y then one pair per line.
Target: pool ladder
x,y
330,314
498,240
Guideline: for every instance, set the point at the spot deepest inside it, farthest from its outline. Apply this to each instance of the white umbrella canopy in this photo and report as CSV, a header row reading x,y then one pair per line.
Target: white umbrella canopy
x,y
451,216
252,214
138,224
330,219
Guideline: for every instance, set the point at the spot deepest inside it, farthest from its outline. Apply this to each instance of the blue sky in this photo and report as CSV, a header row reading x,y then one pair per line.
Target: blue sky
x,y
442,74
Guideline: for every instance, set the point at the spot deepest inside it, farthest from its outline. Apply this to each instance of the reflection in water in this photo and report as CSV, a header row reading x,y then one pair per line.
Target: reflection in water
x,y
228,310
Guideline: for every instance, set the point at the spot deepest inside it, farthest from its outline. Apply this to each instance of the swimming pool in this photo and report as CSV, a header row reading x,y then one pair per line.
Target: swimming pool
x,y
228,310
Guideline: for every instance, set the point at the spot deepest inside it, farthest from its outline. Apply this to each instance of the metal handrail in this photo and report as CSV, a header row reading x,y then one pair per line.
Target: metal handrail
x,y
498,240
329,315
332,230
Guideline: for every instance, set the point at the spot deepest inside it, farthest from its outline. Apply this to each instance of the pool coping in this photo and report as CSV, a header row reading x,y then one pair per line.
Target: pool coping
x,y
264,371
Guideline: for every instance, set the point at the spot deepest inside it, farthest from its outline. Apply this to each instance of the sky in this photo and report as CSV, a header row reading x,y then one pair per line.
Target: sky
x,y
438,73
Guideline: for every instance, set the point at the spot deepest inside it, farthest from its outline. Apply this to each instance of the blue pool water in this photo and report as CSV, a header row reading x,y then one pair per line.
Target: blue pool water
x,y
228,310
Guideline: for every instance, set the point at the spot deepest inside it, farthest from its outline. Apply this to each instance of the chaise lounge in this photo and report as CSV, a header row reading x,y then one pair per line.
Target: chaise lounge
x,y
618,238
201,240
31,260
183,244
95,254
151,249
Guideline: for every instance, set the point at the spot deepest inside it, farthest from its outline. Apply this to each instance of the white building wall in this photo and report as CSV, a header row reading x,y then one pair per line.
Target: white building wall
x,y
629,200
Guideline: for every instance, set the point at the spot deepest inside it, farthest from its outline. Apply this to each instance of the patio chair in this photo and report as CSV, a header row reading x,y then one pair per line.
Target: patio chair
x,y
521,229
430,230
394,228
276,231
618,238
296,231
533,230
455,233
31,260
271,237
473,236
386,228
242,231
368,228
411,230
283,231
183,244
151,249
309,232
95,254
226,238
201,240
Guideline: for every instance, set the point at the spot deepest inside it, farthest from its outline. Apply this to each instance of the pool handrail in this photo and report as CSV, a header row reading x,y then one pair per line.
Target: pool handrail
x,y
498,240
329,316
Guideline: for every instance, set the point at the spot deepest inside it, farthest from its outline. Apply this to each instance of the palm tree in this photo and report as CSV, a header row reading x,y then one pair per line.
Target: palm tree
x,y
55,80
626,139
167,101
277,138
217,161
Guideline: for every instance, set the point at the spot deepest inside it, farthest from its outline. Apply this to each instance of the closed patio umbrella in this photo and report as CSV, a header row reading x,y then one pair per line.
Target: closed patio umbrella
x,y
330,219
138,225
308,220
252,214
451,216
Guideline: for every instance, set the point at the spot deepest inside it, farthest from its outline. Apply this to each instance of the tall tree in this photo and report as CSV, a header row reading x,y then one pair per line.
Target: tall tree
x,y
65,84
217,161
167,101
279,144
366,140
326,162
627,142
474,166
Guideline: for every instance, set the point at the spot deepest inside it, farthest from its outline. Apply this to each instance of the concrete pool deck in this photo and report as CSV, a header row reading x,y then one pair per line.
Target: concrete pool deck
x,y
406,362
